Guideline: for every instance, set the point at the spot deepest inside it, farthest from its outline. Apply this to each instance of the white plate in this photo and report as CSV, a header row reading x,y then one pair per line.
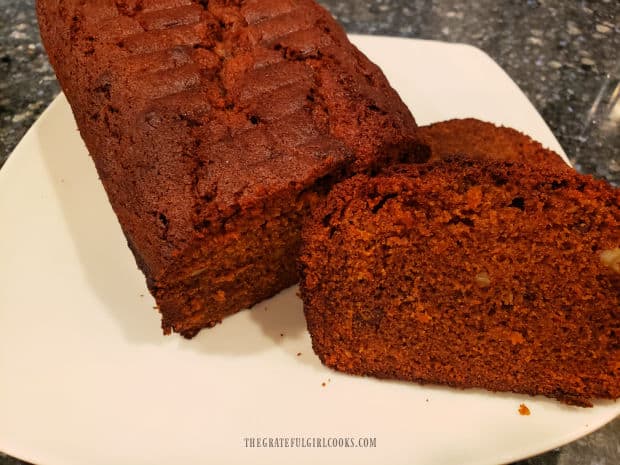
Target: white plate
x,y
86,376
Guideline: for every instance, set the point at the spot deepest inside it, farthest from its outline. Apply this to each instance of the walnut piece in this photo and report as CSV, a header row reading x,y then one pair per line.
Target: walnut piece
x,y
611,259
483,279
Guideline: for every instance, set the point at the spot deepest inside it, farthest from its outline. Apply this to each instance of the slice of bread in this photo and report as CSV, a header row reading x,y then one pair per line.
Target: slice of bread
x,y
469,273
479,139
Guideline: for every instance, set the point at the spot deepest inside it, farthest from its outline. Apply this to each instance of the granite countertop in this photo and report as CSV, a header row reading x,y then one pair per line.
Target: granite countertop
x,y
564,55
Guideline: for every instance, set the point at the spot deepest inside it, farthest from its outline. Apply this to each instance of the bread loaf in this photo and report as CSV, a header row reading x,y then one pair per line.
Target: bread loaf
x,y
214,127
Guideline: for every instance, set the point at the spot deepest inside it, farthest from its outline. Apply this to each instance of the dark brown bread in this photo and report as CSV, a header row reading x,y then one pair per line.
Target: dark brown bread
x,y
479,139
469,273
214,127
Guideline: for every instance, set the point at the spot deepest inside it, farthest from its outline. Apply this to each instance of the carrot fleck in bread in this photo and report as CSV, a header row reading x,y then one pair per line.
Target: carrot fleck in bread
x,y
469,273
480,139
214,127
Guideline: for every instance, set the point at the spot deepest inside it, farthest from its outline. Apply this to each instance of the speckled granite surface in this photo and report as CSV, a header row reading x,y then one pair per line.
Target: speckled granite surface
x,y
564,55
